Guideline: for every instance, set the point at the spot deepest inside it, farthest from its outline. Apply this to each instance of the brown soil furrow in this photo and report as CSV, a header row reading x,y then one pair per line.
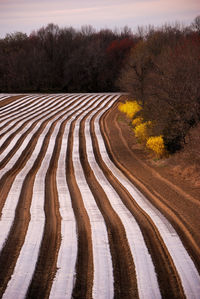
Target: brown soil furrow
x,y
46,265
15,111
47,260
27,115
39,102
84,265
175,211
8,101
21,139
12,135
124,273
168,278
13,105
100,197
19,228
8,178
15,240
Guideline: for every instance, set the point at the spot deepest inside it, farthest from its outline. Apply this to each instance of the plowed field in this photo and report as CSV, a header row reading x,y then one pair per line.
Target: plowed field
x,y
72,222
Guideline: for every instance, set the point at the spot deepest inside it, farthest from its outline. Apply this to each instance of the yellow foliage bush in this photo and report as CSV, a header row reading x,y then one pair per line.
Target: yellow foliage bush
x,y
156,144
137,121
130,108
141,131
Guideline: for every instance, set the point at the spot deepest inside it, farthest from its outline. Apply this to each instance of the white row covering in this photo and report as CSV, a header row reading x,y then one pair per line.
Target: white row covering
x,y
49,113
20,280
146,277
11,201
29,113
103,272
24,269
32,102
25,142
65,276
8,211
186,269
103,284
13,104
3,97
40,120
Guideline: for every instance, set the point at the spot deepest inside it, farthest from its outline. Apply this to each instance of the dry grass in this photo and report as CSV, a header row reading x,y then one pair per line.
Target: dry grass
x,y
186,163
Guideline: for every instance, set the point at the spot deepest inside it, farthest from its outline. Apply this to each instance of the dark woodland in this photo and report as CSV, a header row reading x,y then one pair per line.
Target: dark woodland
x,y
159,67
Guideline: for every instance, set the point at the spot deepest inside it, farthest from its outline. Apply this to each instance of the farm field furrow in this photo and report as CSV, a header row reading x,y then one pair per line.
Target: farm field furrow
x,y
72,223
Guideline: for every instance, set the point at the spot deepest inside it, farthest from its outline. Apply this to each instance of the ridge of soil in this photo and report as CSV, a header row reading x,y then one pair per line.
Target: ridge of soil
x,y
170,284
176,198
123,268
9,100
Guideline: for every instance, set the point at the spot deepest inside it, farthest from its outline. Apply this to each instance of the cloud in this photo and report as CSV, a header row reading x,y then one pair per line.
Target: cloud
x,y
30,14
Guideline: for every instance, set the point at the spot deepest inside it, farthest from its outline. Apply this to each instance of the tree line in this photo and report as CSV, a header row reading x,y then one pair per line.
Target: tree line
x,y
163,74
63,59
159,67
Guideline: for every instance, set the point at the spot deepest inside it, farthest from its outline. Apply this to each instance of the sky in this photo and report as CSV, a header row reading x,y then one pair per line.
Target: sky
x,y
28,15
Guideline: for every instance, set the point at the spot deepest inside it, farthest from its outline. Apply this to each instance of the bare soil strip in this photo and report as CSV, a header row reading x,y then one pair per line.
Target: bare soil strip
x,y
8,178
84,265
47,260
169,284
65,276
125,281
21,138
8,101
26,105
103,272
27,186
32,242
180,257
73,225
22,118
180,208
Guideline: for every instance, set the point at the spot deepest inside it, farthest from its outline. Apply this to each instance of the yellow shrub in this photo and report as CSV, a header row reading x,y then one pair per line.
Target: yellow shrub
x,y
130,108
137,121
141,131
157,145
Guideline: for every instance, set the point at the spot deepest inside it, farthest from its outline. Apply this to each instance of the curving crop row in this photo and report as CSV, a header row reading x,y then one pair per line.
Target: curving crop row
x,y
72,223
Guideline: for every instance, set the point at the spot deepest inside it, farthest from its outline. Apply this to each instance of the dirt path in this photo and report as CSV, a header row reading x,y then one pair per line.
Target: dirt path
x,y
57,177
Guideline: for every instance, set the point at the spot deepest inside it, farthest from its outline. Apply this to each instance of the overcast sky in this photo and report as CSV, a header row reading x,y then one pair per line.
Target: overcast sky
x,y
27,15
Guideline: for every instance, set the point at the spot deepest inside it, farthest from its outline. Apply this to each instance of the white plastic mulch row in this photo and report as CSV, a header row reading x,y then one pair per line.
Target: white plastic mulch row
x,y
13,104
28,113
8,211
186,269
25,142
21,110
3,97
18,285
33,105
14,140
26,262
103,273
31,117
146,277
65,276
